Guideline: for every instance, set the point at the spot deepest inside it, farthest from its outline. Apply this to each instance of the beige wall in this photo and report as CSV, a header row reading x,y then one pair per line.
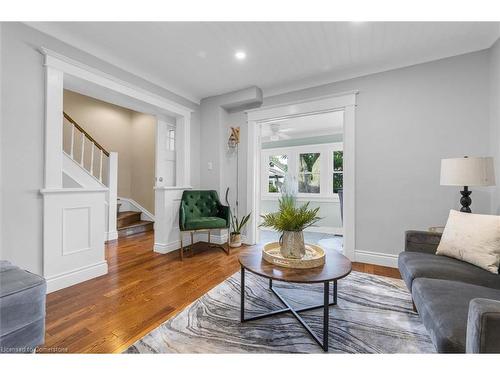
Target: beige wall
x,y
129,133
143,160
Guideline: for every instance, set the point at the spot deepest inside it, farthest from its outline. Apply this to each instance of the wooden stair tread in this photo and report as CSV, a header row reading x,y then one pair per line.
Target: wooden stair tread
x,y
136,224
135,227
125,214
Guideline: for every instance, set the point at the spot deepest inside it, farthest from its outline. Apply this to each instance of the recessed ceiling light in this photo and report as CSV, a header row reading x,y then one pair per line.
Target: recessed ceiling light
x,y
240,55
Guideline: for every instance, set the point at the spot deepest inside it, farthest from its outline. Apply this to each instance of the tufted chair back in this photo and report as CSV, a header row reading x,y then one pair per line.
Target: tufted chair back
x,y
196,204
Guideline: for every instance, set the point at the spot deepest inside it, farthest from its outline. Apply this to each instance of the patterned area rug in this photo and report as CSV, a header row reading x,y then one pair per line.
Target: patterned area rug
x,y
373,315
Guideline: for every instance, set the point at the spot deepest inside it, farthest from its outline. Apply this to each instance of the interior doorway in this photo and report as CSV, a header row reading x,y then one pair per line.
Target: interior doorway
x,y
93,131
258,182
73,217
309,151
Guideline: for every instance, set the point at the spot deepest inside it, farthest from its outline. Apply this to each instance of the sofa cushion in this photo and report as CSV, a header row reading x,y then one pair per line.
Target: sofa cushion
x,y
413,265
472,238
15,280
443,306
206,223
22,302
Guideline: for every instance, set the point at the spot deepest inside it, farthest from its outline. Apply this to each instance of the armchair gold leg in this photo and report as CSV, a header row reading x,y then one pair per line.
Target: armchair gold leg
x,y
228,240
191,247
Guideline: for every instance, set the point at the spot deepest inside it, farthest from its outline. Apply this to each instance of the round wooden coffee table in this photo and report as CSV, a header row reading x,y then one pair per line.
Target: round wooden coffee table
x,y
335,268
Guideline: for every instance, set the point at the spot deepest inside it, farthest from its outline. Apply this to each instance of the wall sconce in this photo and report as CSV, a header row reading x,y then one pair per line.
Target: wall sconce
x,y
234,138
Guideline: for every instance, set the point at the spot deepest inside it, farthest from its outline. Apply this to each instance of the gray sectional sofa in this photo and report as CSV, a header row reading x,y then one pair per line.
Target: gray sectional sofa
x,y
458,303
22,309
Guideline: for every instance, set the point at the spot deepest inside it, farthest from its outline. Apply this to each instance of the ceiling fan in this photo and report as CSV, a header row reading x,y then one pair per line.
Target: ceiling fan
x,y
277,133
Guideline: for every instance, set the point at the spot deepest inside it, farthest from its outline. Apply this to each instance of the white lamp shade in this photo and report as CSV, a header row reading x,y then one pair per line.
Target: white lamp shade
x,y
468,172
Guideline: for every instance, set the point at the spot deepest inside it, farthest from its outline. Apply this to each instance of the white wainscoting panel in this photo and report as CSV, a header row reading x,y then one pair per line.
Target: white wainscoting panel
x,y
73,236
76,222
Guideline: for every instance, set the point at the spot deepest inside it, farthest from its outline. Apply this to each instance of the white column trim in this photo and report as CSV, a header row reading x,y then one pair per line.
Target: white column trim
x,y
53,127
182,151
88,73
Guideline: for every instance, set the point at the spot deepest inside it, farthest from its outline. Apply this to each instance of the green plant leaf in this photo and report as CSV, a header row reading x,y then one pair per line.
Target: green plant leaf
x,y
291,218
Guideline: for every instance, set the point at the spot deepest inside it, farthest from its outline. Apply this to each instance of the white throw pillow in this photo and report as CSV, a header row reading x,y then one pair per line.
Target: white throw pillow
x,y
473,239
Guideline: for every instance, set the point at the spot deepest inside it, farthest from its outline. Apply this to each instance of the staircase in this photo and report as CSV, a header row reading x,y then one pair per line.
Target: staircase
x,y
87,165
129,222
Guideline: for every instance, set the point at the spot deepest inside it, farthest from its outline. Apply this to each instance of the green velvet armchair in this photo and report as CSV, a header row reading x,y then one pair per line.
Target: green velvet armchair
x,y
201,210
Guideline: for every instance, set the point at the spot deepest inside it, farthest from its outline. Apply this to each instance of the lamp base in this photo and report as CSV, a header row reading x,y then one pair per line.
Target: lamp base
x,y
466,201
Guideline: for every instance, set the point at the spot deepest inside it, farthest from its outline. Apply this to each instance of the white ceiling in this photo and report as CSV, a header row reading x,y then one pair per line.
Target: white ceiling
x,y
304,126
196,59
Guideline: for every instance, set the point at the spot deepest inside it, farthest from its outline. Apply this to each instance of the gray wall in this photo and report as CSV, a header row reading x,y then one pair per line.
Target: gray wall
x,y
22,136
406,121
495,118
216,121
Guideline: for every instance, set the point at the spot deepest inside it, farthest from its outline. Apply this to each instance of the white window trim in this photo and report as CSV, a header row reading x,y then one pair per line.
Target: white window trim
x,y
326,170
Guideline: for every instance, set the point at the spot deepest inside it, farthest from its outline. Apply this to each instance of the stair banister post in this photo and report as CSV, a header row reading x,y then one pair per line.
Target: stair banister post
x,y
92,149
113,194
83,148
100,165
72,139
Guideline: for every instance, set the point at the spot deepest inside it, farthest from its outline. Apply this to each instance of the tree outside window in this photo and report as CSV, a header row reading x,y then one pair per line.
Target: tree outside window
x,y
309,173
338,170
278,166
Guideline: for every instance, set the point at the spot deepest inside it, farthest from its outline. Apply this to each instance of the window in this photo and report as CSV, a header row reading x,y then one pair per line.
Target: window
x,y
277,168
338,170
309,173
317,169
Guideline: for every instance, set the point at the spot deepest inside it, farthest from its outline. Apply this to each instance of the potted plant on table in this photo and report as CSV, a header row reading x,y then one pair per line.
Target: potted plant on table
x,y
237,226
290,221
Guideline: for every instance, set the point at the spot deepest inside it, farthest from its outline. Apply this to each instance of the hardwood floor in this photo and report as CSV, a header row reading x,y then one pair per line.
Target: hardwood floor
x,y
141,290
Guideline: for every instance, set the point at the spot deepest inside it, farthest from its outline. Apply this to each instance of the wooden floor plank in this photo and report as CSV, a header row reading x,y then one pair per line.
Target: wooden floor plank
x,y
141,290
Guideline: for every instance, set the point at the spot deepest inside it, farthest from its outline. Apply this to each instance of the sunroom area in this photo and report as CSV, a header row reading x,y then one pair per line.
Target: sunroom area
x,y
307,150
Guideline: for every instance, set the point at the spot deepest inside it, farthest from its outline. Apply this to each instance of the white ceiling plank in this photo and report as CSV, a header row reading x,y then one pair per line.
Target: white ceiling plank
x,y
196,59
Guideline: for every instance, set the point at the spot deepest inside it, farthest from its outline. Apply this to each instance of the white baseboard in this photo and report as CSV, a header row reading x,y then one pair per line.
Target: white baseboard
x,y
380,259
111,236
145,214
166,248
76,276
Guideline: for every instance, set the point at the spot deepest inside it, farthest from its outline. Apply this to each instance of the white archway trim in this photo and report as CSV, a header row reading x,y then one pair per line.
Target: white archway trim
x,y
87,73
343,101
73,219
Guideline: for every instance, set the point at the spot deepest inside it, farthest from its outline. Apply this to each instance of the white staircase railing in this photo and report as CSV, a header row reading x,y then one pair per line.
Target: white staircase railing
x,y
77,139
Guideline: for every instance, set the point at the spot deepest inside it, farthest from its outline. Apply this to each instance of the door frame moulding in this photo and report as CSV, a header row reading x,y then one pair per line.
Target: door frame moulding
x,y
346,102
63,72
